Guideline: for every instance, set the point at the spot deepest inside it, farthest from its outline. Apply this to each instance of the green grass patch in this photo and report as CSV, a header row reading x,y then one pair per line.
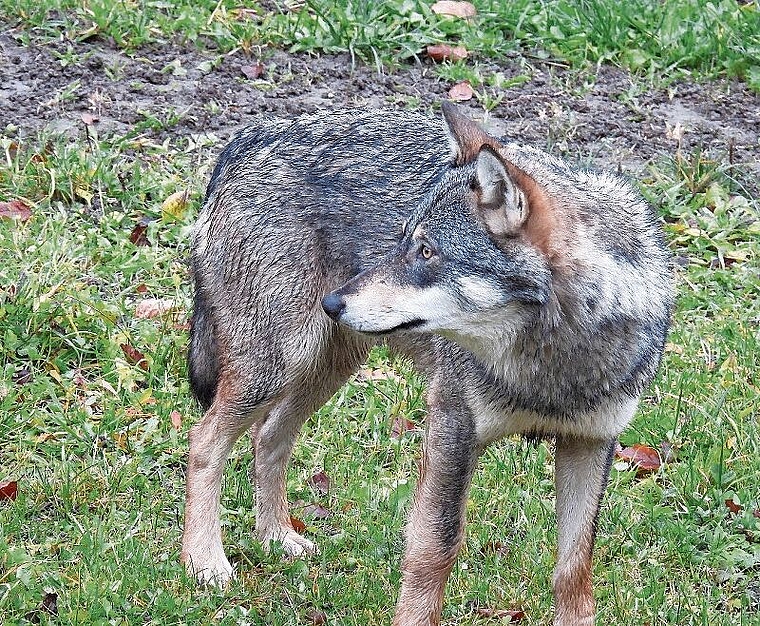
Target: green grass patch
x,y
659,40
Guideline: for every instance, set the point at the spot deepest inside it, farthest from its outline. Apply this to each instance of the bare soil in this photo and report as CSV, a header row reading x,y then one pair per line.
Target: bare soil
x,y
606,119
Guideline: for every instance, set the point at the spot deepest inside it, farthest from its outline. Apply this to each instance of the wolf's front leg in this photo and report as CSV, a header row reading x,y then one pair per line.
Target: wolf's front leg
x,y
435,530
581,472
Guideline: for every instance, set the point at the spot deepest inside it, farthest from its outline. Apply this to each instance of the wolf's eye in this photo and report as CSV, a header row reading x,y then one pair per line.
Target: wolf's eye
x,y
426,251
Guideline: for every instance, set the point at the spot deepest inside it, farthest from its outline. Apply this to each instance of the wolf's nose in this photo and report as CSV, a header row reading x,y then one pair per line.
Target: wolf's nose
x,y
333,304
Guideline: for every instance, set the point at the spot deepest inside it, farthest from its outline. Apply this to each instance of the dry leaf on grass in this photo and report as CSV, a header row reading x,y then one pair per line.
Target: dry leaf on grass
x,y
139,236
646,459
377,373
176,204
316,617
461,92
317,511
153,307
89,119
134,356
8,490
454,8
733,507
252,72
444,52
244,13
15,210
321,482
401,425
501,614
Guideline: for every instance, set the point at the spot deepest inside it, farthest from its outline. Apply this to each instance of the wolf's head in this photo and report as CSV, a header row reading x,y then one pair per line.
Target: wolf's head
x,y
473,257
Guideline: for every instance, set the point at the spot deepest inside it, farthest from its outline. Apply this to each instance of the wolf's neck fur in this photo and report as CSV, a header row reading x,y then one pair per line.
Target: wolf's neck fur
x,y
569,355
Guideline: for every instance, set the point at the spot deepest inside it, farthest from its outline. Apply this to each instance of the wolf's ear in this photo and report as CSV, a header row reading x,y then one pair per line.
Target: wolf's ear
x,y
466,138
502,202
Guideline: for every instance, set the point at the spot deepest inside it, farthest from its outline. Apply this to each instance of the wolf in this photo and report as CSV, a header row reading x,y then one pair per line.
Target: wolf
x,y
534,296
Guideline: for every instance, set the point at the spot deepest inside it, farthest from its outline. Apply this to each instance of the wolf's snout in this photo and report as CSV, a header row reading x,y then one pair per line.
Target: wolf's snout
x,y
333,304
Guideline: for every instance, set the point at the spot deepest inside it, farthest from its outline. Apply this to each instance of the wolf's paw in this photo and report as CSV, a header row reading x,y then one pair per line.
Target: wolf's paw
x,y
293,545
209,566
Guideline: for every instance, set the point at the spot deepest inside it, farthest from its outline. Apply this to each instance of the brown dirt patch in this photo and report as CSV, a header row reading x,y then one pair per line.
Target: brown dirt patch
x,y
609,121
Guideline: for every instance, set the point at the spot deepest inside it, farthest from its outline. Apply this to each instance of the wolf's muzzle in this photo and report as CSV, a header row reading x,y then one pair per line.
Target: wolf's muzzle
x,y
334,305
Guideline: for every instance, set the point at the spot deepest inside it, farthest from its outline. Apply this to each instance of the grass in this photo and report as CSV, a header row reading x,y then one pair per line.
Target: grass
x,y
654,39
89,435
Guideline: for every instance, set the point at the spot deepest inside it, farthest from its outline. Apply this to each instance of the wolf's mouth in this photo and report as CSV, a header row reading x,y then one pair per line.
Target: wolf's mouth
x,y
403,326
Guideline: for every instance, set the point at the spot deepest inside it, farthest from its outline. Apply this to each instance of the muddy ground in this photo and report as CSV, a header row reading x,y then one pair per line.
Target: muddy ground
x,y
606,119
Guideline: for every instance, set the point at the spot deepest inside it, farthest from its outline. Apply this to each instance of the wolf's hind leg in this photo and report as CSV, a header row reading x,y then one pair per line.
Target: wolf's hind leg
x,y
211,440
582,467
275,437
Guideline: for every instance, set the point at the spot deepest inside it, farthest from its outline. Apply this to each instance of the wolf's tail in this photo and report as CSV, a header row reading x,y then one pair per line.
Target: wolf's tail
x,y
203,355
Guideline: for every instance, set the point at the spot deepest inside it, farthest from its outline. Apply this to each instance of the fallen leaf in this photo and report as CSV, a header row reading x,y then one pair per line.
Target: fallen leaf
x,y
120,439
401,425
377,373
78,379
646,459
141,288
317,511
176,418
243,13
673,347
444,52
15,210
50,603
321,482
454,8
138,235
514,616
756,513
461,92
733,507
8,490
22,376
176,204
297,524
134,356
49,606
12,149
89,119
317,617
252,72
495,547
153,307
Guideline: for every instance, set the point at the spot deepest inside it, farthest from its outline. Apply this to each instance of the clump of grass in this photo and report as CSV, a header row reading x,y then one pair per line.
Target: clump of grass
x,y
660,40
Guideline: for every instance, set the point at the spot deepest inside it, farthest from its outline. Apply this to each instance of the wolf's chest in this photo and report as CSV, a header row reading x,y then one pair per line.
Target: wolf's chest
x,y
496,418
